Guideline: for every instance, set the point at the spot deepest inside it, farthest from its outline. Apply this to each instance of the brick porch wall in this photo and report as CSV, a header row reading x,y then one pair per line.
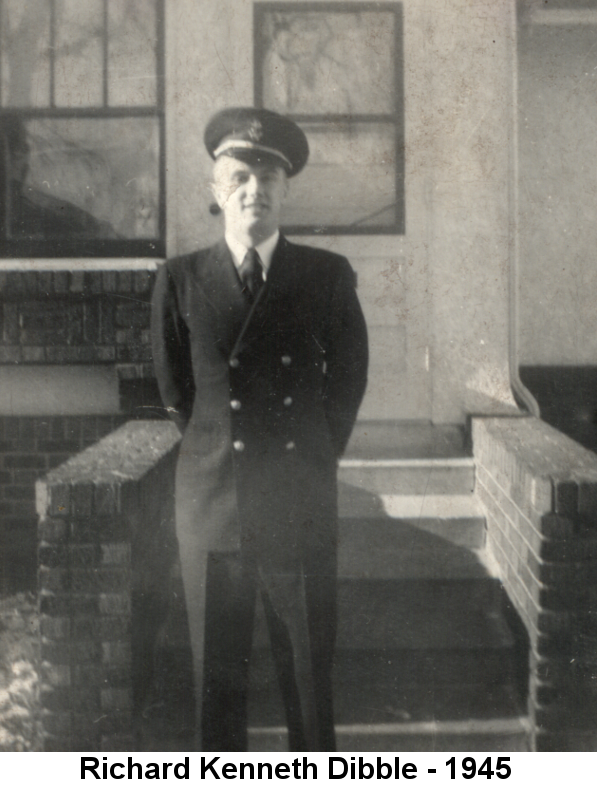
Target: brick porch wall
x,y
105,553
539,490
77,316
64,317
29,448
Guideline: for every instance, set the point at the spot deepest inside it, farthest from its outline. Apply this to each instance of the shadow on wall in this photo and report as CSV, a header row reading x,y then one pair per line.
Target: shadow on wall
x,y
567,397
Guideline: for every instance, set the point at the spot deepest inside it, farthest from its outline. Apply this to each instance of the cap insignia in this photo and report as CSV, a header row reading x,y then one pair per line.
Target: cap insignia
x,y
255,130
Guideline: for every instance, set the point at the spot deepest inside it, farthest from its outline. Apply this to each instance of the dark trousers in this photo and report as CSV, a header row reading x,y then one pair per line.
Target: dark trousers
x,y
300,610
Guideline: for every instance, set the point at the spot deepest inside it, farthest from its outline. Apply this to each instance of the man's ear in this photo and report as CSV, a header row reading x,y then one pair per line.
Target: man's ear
x,y
214,208
216,190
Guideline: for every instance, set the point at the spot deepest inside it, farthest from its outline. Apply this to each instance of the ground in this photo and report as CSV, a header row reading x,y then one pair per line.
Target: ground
x,y
20,711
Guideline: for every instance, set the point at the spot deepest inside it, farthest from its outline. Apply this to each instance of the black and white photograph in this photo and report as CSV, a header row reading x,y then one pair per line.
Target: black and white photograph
x,y
298,383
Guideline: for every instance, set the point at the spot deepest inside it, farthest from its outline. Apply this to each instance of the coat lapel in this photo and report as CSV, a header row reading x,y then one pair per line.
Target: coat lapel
x,y
222,289
237,322
257,318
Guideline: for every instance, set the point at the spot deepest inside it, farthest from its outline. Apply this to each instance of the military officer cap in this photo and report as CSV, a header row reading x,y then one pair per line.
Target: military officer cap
x,y
257,135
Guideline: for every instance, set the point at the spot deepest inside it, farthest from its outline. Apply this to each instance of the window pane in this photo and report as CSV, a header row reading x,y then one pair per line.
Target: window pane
x,y
24,53
83,178
316,62
350,180
132,53
79,53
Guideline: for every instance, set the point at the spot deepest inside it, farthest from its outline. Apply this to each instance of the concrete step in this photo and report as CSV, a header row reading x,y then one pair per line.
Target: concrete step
x,y
457,700
397,549
436,671
414,614
416,662
457,518
448,476
386,687
400,700
400,583
495,735
378,614
406,440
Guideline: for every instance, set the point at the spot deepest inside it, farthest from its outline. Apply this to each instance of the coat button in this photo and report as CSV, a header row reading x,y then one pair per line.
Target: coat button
x,y
290,446
288,401
234,363
286,360
235,404
238,445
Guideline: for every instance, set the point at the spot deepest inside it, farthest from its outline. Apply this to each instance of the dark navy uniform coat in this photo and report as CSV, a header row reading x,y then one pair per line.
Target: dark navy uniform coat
x,y
266,395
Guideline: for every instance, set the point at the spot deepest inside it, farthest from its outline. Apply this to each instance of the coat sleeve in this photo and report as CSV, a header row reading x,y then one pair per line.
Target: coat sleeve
x,y
171,351
346,358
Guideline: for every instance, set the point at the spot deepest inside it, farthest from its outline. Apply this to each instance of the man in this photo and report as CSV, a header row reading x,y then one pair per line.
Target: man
x,y
260,351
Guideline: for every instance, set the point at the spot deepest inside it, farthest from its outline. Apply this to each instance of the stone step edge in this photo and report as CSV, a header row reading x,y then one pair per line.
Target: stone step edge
x,y
441,462
484,563
419,507
497,726
502,642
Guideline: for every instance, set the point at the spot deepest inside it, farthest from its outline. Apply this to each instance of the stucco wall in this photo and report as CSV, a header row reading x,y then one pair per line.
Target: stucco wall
x,y
557,188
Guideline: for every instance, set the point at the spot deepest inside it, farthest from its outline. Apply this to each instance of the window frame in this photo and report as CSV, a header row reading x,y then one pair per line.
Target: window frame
x,y
396,117
95,247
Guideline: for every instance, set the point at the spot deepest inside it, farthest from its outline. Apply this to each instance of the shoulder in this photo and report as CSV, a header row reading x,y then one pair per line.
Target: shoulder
x,y
191,264
320,263
314,253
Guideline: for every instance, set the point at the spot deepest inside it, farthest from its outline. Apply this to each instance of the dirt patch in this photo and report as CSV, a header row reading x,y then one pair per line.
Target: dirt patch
x,y
20,710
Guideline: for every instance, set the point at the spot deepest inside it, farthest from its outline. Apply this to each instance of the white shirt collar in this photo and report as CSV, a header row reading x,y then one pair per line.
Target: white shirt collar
x,y
265,250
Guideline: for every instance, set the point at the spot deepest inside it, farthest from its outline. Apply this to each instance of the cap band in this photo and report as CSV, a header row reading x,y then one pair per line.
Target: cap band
x,y
231,144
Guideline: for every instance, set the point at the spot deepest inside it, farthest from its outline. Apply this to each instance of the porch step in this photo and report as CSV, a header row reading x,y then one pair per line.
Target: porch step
x,y
410,700
406,440
419,615
391,573
507,735
411,549
448,476
457,518
414,615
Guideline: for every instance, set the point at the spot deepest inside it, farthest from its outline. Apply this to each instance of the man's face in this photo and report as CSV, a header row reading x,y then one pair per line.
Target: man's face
x,y
251,197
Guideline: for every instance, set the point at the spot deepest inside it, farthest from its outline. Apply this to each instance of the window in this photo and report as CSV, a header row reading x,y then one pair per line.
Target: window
x,y
81,128
336,69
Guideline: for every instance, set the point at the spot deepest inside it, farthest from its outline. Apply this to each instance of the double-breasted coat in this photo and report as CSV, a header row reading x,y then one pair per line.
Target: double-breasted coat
x,y
266,395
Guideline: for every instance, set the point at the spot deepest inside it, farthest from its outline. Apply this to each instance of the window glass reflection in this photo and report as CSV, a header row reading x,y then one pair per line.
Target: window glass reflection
x,y
80,178
79,53
25,49
352,170
132,57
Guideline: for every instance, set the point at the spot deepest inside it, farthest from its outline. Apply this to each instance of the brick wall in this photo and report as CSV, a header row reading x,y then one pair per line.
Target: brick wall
x,y
105,552
65,317
61,316
29,448
539,490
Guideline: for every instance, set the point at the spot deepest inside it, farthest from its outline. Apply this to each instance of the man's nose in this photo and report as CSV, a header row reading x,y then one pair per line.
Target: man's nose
x,y
254,185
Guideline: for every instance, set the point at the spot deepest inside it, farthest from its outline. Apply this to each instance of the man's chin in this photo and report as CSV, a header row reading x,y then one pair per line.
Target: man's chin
x,y
257,225
255,214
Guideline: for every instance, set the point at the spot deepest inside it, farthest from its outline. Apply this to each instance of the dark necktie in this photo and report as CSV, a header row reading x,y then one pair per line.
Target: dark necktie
x,y
251,273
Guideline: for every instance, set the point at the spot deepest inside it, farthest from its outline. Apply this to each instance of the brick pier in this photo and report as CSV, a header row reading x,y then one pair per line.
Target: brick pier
x,y
64,320
539,490
105,552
